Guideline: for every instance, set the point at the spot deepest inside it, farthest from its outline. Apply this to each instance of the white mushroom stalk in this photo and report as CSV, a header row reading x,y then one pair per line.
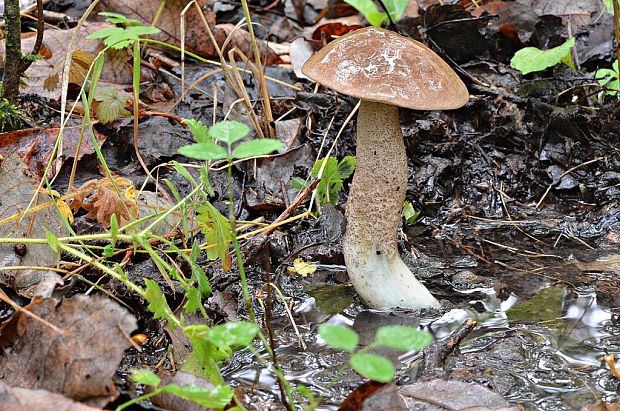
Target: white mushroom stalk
x,y
386,71
373,213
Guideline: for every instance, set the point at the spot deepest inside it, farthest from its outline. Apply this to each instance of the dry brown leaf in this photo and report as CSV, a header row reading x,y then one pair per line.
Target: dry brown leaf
x,y
80,63
34,145
169,20
17,190
80,365
196,38
23,399
101,199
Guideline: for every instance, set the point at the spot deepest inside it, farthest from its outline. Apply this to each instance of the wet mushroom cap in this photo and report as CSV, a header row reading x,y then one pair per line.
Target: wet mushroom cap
x,y
378,65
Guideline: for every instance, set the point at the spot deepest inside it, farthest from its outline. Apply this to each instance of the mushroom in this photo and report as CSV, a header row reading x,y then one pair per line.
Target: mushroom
x,y
385,71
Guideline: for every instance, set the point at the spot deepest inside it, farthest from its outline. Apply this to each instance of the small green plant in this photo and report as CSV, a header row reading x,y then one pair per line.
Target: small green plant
x,y
373,366
409,213
111,104
369,10
10,116
608,78
121,37
216,397
332,178
531,59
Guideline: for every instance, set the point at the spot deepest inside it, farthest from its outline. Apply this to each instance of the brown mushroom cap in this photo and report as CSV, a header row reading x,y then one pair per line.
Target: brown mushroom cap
x,y
379,65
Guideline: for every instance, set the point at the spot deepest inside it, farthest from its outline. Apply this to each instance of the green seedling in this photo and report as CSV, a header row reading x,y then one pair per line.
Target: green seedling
x,y
368,8
332,178
111,104
532,59
121,37
212,398
608,78
409,213
373,366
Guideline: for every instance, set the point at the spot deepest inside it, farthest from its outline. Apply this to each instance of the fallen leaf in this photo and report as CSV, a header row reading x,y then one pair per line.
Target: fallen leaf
x,y
302,268
116,70
101,199
80,365
17,191
169,21
23,399
442,395
300,51
35,145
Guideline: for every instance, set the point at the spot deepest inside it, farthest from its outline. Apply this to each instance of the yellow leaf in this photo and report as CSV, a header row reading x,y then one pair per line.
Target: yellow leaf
x,y
65,210
302,268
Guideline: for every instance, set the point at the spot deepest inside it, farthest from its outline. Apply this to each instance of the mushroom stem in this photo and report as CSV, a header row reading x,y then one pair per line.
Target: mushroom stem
x,y
373,214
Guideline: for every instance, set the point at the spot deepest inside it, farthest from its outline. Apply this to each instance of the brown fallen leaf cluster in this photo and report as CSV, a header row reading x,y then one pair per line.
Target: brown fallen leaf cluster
x,y
72,348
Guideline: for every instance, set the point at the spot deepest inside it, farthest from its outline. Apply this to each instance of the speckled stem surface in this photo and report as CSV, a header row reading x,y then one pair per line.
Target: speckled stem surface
x,y
373,214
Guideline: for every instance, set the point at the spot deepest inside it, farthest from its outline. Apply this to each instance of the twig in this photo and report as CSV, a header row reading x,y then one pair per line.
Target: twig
x,y
5,298
557,180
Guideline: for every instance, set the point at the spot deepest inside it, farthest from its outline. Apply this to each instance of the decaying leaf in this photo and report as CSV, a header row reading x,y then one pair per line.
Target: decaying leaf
x,y
17,191
102,198
302,268
116,69
80,365
80,63
23,399
35,145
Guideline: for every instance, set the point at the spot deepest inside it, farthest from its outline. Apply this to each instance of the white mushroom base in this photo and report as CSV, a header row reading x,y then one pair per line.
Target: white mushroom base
x,y
373,214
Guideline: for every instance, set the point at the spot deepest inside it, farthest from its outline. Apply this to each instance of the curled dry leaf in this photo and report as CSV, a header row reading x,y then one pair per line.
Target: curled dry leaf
x,y
80,365
102,198
80,63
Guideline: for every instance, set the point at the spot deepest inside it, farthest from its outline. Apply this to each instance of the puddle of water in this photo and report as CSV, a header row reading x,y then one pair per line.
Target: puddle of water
x,y
542,351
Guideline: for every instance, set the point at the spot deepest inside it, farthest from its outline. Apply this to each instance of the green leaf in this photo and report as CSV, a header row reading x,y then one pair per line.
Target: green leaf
x,y
238,334
157,301
198,130
116,18
609,5
192,295
403,338
105,32
298,183
396,8
332,178
111,104
229,131
145,377
373,366
255,148
203,151
217,232
369,11
339,337
531,59
216,397
409,213
198,274
141,30
546,306
52,242
609,79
